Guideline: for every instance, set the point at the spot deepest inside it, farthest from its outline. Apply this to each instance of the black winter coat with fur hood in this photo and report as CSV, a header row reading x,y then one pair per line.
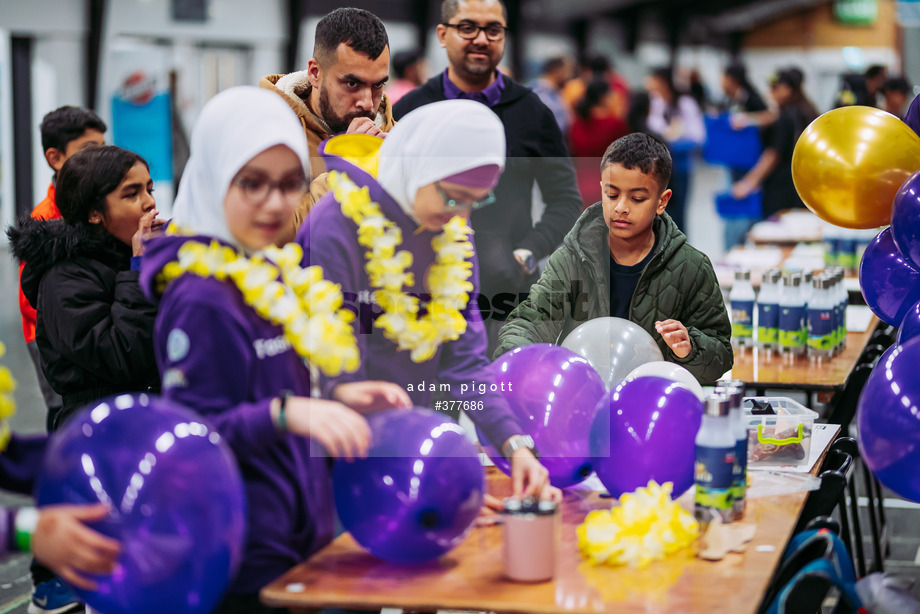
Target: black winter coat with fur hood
x,y
95,326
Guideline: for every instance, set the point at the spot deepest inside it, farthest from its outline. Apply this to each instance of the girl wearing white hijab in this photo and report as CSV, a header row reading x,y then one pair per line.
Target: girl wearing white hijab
x,y
417,319
225,345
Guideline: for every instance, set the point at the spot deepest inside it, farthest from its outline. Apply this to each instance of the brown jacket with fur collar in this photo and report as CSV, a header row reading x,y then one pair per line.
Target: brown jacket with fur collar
x,y
295,89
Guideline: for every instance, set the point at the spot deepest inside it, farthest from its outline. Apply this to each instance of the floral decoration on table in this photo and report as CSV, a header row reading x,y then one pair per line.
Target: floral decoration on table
x,y
646,526
7,402
308,307
448,279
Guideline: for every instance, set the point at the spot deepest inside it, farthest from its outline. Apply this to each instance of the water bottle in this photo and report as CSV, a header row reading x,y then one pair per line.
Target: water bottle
x,y
715,461
831,236
742,303
734,389
791,317
768,311
822,336
843,300
847,258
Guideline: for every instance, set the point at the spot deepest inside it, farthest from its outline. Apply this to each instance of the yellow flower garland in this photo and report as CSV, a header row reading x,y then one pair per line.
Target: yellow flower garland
x,y
448,278
308,307
7,402
647,525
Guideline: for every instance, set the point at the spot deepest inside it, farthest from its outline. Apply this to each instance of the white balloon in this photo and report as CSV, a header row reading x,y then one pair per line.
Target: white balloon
x,y
671,371
613,346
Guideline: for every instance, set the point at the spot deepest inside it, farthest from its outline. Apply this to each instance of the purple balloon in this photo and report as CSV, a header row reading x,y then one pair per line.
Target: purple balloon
x,y
888,418
890,283
554,393
646,431
418,492
910,325
177,502
905,219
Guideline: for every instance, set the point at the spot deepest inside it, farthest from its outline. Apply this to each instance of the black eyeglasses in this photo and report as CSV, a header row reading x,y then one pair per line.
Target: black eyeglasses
x,y
257,189
469,30
450,203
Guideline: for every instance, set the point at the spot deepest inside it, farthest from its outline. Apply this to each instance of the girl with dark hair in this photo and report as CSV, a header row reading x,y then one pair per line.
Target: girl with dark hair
x,y
740,95
592,131
95,328
677,118
773,171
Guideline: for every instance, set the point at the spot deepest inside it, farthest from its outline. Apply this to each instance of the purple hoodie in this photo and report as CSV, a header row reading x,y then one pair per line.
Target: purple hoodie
x,y
217,356
330,240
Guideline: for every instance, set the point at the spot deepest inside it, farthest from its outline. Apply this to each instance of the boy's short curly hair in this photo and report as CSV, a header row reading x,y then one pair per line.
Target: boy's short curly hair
x,y
644,151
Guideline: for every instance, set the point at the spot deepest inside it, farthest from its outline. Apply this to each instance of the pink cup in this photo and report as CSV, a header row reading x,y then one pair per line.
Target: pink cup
x,y
529,532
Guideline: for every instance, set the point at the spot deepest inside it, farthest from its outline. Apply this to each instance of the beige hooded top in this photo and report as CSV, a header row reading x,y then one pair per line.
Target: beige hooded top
x,y
295,89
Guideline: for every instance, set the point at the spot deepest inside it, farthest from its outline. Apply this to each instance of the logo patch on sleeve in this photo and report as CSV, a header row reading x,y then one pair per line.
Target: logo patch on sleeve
x,y
177,345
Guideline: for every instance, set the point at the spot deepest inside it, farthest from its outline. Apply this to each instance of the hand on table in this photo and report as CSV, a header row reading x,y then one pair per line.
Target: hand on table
x,y
370,396
341,430
531,479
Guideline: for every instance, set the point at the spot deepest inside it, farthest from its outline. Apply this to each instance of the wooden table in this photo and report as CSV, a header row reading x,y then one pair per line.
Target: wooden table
x,y
470,576
759,372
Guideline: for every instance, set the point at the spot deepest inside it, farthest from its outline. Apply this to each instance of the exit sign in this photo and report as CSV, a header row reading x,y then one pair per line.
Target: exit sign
x,y
856,12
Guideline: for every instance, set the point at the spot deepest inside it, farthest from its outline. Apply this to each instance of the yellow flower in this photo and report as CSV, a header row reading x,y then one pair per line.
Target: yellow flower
x,y
7,406
7,383
646,526
2,349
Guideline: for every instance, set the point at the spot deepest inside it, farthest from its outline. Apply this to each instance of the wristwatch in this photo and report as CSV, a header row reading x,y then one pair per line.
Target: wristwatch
x,y
516,442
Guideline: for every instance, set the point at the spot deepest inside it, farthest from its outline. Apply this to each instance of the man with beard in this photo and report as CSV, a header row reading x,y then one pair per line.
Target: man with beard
x,y
341,91
508,241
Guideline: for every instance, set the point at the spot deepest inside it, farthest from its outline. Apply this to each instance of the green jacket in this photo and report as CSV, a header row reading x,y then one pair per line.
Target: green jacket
x,y
678,283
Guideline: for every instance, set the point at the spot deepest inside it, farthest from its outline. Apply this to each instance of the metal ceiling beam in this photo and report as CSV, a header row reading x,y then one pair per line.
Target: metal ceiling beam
x,y
750,15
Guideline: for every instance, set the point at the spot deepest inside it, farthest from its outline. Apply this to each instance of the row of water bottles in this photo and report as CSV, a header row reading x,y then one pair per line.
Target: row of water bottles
x,y
796,313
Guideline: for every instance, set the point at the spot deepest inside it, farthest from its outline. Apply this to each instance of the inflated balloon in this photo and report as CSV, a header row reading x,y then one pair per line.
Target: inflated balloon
x,y
646,430
613,346
671,371
905,219
554,394
910,325
888,418
176,496
850,162
417,493
890,283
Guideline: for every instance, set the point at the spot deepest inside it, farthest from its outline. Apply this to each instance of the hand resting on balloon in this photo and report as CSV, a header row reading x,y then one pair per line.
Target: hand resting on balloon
x,y
71,549
676,336
341,430
371,396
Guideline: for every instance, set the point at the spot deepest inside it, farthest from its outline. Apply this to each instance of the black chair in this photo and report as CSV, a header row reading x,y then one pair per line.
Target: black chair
x,y
823,522
854,542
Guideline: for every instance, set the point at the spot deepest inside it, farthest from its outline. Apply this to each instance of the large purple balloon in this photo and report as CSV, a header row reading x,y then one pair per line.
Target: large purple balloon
x,y
890,283
646,431
418,492
176,496
888,418
905,219
554,393
910,325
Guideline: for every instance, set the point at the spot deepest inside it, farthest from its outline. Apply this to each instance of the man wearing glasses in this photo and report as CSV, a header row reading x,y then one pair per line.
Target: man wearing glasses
x,y
508,242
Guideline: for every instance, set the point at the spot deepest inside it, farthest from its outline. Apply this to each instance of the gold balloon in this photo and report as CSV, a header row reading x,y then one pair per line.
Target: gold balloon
x,y
849,163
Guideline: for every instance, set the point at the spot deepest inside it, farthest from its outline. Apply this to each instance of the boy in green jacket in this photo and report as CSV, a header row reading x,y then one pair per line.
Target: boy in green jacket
x,y
626,258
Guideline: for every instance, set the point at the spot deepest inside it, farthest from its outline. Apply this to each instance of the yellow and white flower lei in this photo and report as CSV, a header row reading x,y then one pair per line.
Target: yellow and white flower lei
x,y
7,402
448,277
308,307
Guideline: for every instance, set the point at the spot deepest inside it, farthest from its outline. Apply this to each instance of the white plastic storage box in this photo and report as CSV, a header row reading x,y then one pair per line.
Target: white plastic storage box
x,y
779,431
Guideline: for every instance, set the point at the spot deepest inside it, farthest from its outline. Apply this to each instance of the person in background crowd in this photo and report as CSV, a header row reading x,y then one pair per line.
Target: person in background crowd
x,y
677,118
593,129
746,107
94,329
592,68
508,240
410,69
895,92
773,170
698,89
640,104
862,89
64,131
556,73
340,91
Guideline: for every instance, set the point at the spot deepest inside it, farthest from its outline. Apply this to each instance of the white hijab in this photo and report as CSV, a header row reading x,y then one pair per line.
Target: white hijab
x,y
436,141
234,126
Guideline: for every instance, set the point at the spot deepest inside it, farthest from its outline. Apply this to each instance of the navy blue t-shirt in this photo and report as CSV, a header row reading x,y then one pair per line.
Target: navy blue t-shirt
x,y
623,281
